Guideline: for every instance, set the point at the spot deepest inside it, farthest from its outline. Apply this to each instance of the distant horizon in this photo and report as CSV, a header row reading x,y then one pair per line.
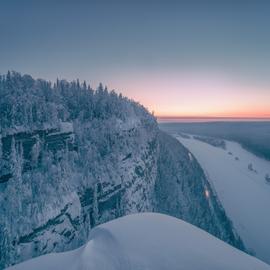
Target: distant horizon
x,y
167,117
194,119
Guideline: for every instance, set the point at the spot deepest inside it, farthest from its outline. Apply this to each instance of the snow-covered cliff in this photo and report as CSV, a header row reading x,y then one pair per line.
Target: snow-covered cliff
x,y
72,158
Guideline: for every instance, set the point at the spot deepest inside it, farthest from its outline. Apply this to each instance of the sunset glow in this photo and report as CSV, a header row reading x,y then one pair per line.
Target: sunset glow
x,y
194,94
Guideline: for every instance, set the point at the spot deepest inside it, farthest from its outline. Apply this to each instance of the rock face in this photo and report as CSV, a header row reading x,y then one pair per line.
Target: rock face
x,y
72,158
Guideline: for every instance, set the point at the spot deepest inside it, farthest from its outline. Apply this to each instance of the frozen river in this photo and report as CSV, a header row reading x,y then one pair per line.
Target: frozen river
x,y
238,178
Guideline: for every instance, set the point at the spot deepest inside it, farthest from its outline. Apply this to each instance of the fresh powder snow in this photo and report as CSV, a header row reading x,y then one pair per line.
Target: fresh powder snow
x,y
148,241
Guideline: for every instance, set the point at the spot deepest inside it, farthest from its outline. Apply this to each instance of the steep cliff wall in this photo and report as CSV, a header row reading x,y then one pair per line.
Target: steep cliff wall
x,y
53,196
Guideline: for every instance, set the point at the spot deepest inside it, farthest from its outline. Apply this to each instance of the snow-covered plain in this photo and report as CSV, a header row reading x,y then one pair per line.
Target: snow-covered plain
x,y
244,194
148,241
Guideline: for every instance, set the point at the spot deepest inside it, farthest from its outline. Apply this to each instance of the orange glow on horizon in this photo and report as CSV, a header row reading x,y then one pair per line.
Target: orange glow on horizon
x,y
255,114
211,115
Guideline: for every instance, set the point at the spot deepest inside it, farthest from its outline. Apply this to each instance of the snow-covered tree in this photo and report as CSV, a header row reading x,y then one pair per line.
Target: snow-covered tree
x,y
95,204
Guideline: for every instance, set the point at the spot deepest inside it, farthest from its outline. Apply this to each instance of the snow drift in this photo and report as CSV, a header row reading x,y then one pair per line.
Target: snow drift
x,y
148,241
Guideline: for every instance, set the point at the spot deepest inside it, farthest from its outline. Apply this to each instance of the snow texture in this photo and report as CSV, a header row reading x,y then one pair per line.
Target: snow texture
x,y
148,242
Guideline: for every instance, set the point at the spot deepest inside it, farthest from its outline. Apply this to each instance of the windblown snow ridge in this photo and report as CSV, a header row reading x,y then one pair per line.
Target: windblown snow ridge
x,y
148,241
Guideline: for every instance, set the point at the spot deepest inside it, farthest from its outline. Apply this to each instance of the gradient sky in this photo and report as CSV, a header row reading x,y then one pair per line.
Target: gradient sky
x,y
178,58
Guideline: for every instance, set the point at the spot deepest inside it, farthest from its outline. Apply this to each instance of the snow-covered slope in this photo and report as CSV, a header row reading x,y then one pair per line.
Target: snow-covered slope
x,y
72,157
148,242
241,188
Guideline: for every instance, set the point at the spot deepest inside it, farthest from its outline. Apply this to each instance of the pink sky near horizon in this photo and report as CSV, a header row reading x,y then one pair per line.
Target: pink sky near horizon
x,y
195,94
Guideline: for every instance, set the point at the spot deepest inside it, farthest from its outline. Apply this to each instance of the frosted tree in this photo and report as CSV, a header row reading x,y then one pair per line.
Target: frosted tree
x,y
36,151
95,204
5,246
16,159
1,146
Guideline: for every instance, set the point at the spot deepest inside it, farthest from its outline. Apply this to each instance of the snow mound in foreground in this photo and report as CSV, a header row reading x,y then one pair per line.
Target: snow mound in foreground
x,y
148,241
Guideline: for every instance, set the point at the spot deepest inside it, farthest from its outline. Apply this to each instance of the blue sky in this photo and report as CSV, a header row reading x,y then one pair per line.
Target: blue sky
x,y
129,45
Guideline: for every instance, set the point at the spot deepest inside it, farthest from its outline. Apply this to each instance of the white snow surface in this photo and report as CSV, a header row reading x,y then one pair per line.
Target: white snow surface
x,y
148,242
244,194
